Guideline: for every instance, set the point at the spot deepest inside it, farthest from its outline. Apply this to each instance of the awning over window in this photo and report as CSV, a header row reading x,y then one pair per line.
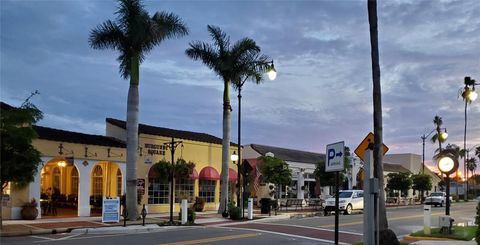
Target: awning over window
x,y
209,173
194,174
152,174
232,175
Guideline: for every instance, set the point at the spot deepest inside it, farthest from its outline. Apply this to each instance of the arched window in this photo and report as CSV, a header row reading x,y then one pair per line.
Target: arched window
x,y
97,182
74,181
119,182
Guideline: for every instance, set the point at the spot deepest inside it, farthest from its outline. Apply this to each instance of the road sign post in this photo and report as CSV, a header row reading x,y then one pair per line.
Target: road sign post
x,y
334,163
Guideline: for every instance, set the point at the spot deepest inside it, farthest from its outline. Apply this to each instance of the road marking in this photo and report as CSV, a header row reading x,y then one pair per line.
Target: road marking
x,y
44,238
212,239
389,219
315,228
282,234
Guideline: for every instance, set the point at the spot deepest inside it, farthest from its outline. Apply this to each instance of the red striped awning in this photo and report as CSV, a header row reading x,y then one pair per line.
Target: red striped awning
x,y
194,174
252,162
209,173
152,174
232,175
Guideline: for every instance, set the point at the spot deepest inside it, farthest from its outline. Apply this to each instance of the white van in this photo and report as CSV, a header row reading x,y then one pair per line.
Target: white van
x,y
348,200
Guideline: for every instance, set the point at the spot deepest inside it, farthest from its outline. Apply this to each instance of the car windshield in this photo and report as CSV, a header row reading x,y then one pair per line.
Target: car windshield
x,y
345,194
436,194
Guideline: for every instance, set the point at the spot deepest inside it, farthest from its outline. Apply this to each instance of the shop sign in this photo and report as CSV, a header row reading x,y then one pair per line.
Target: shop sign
x,y
153,149
111,210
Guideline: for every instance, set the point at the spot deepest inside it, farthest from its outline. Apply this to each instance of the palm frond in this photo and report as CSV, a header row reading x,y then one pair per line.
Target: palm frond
x,y
204,52
106,35
434,138
220,39
165,26
244,47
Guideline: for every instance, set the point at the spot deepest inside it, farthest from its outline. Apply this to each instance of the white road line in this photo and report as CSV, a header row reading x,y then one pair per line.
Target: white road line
x,y
44,238
316,228
283,234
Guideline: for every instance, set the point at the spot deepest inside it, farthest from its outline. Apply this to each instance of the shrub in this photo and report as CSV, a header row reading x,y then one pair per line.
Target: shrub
x,y
477,221
199,204
191,216
33,203
235,213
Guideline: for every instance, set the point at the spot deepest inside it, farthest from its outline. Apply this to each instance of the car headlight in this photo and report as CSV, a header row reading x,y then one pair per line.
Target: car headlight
x,y
342,201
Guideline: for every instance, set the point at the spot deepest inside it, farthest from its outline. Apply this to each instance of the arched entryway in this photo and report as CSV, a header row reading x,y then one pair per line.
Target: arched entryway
x,y
59,188
105,181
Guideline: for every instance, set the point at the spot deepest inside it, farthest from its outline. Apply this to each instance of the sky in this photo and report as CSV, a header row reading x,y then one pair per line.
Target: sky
x,y
321,50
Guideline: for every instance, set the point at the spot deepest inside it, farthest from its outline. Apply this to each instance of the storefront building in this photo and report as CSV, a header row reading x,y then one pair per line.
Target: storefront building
x,y
79,170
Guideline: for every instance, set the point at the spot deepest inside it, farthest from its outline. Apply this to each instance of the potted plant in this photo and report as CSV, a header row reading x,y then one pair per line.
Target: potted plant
x,y
199,204
29,210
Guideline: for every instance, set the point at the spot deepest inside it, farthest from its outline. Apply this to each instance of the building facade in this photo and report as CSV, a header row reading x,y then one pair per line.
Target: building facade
x,y
78,170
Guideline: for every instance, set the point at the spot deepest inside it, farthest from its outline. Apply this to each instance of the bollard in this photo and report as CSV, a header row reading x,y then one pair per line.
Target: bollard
x,y
427,214
124,215
250,208
144,214
184,211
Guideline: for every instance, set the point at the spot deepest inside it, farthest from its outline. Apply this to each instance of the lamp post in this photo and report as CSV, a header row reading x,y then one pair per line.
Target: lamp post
x,y
447,164
442,137
272,74
469,95
172,145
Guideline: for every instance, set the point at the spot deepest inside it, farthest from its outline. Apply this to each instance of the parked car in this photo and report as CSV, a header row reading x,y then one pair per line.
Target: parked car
x,y
437,198
348,200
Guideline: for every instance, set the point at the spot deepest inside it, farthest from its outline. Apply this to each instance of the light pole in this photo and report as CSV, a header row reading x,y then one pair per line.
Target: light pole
x,y
172,145
442,137
469,95
272,74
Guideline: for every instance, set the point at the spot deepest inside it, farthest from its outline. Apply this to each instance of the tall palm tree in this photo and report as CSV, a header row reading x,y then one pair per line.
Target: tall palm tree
x,y
134,34
386,235
230,63
471,165
436,137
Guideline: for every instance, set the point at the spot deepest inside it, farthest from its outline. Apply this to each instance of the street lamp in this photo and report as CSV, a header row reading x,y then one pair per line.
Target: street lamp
x,y
442,137
172,145
272,74
447,164
469,95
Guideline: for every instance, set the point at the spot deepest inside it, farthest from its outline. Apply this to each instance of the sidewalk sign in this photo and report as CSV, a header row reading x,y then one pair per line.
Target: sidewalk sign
x,y
111,210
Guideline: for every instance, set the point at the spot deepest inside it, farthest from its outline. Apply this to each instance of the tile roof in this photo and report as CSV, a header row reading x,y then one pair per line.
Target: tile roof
x,y
167,132
289,154
74,137
5,106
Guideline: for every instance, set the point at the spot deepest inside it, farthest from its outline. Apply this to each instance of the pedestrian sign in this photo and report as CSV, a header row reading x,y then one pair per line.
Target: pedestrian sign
x,y
335,157
360,151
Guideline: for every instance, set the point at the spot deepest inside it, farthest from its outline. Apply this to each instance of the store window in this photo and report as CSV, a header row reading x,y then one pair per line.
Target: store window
x,y
97,183
158,191
74,186
184,189
56,179
207,190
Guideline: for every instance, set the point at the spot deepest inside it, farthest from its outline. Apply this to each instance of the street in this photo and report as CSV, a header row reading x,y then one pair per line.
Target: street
x,y
313,230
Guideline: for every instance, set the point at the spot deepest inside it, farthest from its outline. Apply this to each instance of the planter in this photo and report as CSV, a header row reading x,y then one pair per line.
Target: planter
x,y
29,213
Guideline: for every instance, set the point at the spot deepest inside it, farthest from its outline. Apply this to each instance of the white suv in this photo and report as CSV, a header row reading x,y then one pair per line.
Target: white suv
x,y
348,200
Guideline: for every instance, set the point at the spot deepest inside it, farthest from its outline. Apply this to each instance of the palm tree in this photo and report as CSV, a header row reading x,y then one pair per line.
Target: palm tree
x,y
471,166
231,64
134,34
436,137
386,235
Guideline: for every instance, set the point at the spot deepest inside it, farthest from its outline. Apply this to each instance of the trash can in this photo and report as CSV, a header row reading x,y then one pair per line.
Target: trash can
x,y
265,205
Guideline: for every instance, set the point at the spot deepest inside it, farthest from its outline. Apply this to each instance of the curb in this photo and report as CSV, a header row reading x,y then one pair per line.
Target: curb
x,y
427,238
30,232
121,229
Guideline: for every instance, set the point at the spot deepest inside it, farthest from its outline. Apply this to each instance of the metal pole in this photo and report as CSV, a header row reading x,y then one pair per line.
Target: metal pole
x,y
336,207
465,194
447,207
423,155
239,198
172,151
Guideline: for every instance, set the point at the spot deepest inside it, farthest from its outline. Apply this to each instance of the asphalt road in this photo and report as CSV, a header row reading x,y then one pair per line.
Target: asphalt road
x,y
314,230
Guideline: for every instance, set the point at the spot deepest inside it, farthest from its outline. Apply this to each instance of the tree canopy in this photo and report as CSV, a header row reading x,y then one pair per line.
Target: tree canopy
x,y
19,158
421,182
275,170
182,169
399,181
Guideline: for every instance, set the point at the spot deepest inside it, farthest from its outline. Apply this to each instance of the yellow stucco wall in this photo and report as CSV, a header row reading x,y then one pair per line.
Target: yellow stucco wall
x,y
201,153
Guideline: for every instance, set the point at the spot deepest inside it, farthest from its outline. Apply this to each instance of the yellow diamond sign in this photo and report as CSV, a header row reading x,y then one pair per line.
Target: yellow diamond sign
x,y
360,151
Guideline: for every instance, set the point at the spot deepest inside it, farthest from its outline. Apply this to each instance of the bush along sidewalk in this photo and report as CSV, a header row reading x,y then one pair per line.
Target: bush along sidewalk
x,y
465,233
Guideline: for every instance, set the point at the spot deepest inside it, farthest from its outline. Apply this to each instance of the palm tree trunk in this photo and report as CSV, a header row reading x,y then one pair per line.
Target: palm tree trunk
x,y
386,236
132,139
225,147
